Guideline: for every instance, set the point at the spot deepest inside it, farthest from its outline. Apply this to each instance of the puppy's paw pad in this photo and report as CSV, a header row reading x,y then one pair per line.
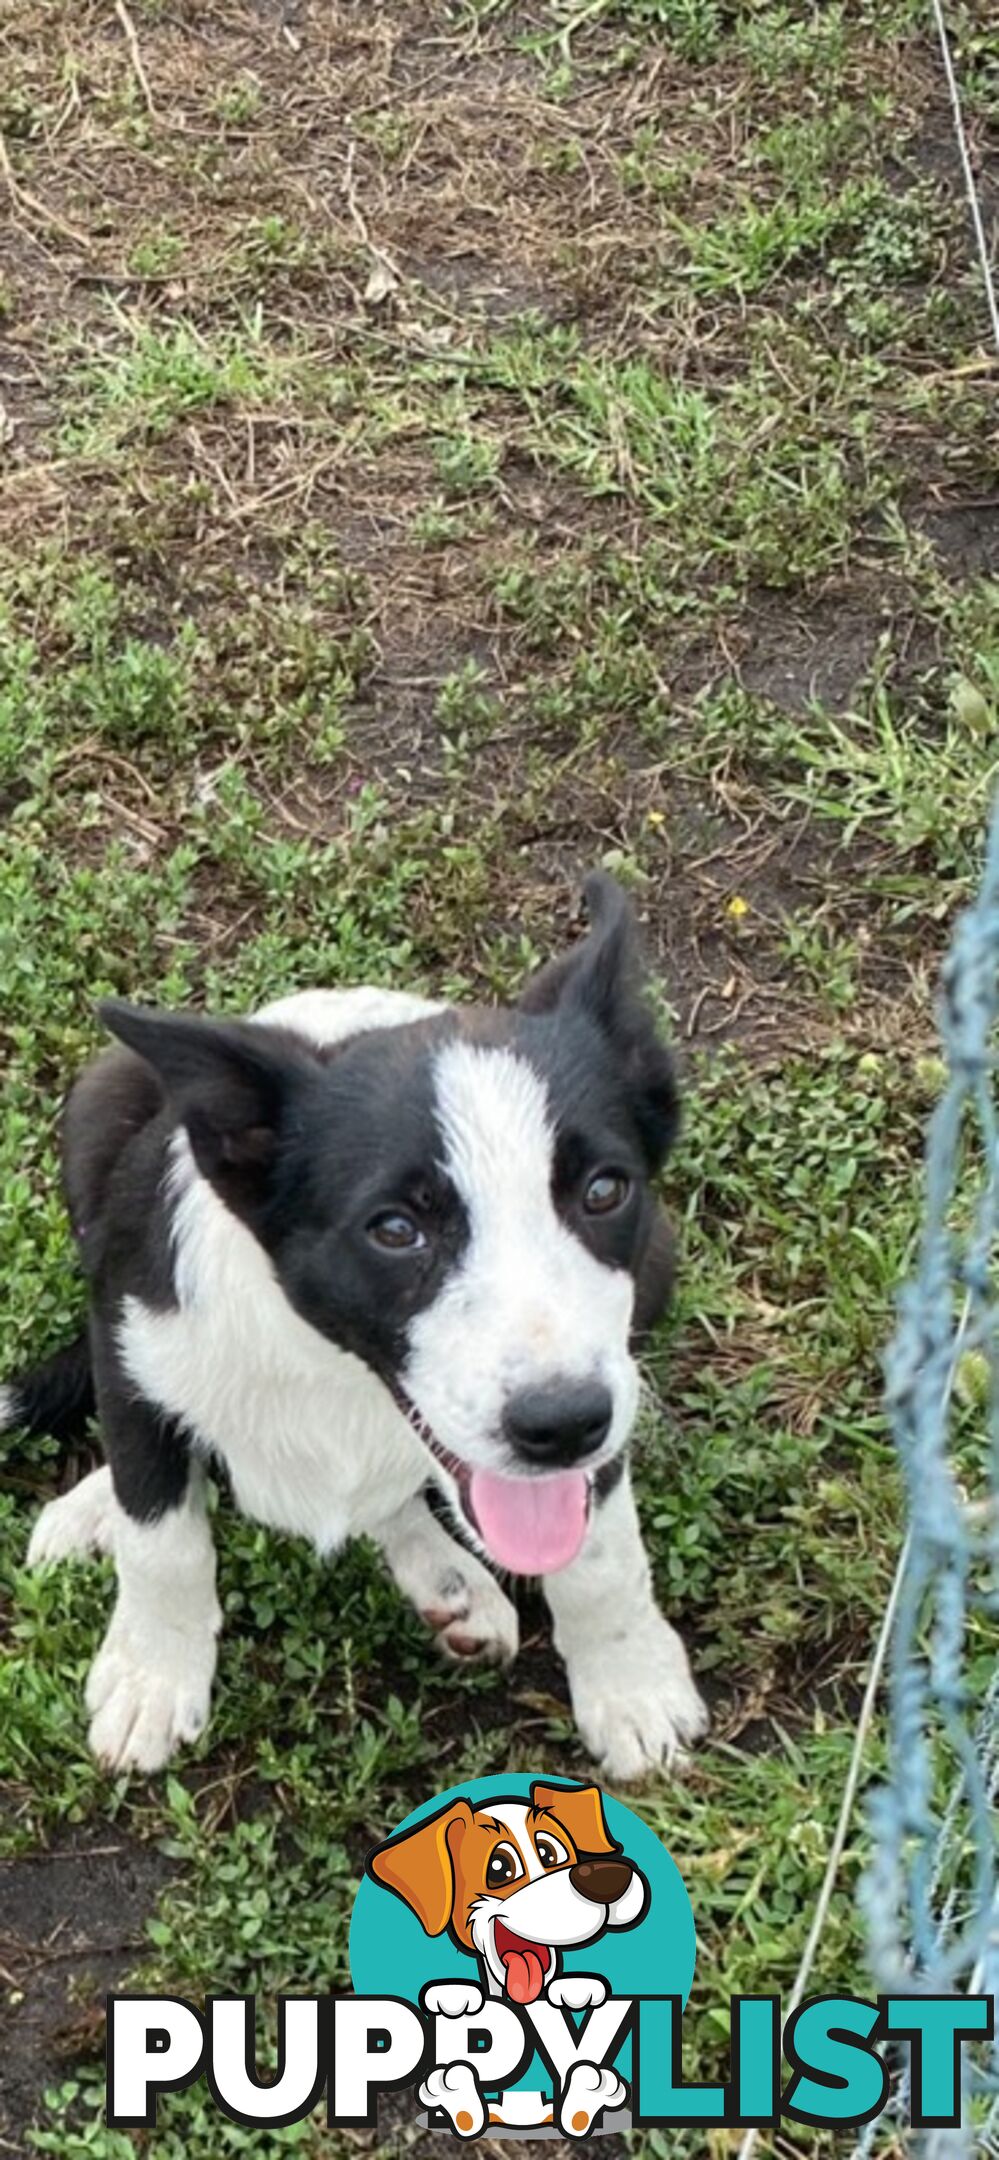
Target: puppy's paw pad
x,y
78,1523
450,1600
590,2089
454,2089
486,1631
439,1617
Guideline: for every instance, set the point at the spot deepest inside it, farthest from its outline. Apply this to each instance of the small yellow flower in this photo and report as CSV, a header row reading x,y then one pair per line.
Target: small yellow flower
x,y
737,907
655,817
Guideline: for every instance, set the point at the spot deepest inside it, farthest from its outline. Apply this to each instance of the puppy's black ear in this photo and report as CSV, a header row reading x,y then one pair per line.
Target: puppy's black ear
x,y
603,976
229,1083
602,972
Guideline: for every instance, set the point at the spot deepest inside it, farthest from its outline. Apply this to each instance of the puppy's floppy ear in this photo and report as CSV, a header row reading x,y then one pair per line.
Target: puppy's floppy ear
x,y
419,1865
582,1812
603,976
229,1083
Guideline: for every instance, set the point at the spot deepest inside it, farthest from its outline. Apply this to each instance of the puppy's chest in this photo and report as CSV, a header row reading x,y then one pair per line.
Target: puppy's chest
x,y
315,1446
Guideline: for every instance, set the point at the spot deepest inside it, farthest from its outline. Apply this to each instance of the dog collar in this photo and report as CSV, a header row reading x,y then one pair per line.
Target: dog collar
x,y
424,1432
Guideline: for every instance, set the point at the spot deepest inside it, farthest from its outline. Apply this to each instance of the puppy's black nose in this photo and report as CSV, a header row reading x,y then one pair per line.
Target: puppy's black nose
x,y
601,1880
554,1427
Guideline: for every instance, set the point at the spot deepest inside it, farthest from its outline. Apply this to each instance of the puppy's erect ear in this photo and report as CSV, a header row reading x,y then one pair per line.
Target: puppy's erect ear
x,y
603,976
602,971
419,1865
228,1081
582,1812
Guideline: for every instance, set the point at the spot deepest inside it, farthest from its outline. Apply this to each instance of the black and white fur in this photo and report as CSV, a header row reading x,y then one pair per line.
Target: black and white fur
x,y
225,1180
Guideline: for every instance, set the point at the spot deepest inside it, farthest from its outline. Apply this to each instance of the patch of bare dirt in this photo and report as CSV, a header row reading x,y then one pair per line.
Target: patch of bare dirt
x,y
965,536
72,1923
798,659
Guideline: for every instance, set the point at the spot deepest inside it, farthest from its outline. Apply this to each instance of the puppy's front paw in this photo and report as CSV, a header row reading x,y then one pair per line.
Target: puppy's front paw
x,y
78,1523
474,1620
143,1709
452,1998
455,2090
589,2090
635,1702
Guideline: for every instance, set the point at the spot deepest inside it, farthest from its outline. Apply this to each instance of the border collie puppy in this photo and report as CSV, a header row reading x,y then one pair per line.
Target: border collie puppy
x,y
365,1251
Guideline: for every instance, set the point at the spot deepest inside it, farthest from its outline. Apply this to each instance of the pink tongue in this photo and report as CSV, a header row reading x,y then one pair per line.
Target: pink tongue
x,y
532,1526
524,1975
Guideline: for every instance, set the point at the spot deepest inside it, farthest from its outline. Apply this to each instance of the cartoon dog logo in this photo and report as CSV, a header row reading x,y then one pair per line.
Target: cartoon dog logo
x,y
517,1883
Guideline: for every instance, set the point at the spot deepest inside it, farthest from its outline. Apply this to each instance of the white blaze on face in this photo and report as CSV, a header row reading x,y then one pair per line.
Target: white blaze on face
x,y
519,1934
527,1304
513,1814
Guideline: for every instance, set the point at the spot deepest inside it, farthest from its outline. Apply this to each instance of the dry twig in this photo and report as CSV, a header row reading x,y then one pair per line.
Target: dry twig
x,y
135,55
31,208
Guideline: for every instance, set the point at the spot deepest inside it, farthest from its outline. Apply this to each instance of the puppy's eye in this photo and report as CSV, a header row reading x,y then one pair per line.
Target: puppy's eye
x,y
550,1852
395,1232
606,1191
503,1867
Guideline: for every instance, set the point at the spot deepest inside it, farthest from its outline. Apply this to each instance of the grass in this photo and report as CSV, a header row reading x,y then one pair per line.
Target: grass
x,y
369,567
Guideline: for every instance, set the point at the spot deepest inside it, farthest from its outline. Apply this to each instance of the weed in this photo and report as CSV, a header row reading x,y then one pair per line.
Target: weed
x,y
157,255
239,102
467,463
159,376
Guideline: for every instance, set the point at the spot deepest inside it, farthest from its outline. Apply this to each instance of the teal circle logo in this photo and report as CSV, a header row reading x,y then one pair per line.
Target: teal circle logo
x,y
515,1885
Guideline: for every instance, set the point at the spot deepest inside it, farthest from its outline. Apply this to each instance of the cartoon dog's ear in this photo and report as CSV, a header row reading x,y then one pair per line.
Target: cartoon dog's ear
x,y
419,1865
581,1810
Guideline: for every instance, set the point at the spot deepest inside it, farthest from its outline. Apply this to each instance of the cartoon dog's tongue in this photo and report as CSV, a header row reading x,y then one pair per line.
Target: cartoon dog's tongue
x,y
524,1975
531,1526
524,1963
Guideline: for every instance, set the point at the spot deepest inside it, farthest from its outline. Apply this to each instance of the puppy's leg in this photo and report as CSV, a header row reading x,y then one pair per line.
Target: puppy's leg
x,y
78,1523
632,1694
150,1684
469,1613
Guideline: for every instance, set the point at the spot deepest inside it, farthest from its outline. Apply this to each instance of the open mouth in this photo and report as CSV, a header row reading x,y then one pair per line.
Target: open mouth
x,y
526,1965
528,1525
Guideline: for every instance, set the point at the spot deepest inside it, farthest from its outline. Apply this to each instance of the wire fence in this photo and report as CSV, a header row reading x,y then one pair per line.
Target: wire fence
x,y
931,1895
930,1898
